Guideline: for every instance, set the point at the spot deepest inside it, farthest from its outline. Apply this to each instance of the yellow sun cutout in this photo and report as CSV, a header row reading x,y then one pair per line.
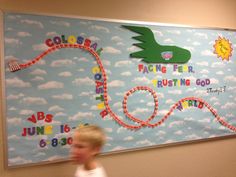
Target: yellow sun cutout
x,y
223,48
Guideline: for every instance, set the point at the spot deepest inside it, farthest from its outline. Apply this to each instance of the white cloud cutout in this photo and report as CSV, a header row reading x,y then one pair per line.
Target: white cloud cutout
x,y
41,62
230,78
12,109
51,85
17,83
106,63
40,154
141,101
230,115
141,80
81,115
34,100
83,59
32,22
116,39
19,160
207,53
174,32
203,63
202,35
192,49
232,89
23,34
55,108
160,95
55,157
191,89
151,104
158,33
220,73
169,41
83,81
15,97
164,112
64,96
128,138
109,130
193,136
204,71
127,73
52,33
12,17
81,70
175,92
191,77
60,23
37,78
201,93
196,43
206,120
120,44
13,137
86,93
65,74
14,121
121,130
170,101
160,133
40,47
229,105
10,57
214,99
139,111
176,74
188,119
26,112
216,104
38,72
133,49
111,50
214,81
12,41
83,34
176,123
94,38
60,114
145,142
217,65
116,83
118,148
117,105
179,132
123,63
62,63
100,28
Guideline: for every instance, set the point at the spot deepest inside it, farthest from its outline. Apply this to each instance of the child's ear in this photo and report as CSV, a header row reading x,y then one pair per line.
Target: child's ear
x,y
96,150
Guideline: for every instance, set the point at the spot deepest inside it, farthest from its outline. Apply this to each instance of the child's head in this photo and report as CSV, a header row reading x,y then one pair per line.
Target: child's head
x,y
87,143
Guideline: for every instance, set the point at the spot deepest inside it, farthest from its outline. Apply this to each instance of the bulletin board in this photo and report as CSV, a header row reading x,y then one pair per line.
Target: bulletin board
x,y
146,84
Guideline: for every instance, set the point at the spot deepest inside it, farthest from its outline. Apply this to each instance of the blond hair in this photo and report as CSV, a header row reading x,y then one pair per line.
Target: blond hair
x,y
92,134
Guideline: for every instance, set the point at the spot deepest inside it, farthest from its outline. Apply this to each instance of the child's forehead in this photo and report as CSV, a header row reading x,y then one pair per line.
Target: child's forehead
x,y
81,137
82,134
79,140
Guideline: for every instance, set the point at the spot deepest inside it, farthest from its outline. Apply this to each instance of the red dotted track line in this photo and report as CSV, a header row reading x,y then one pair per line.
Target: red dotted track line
x,y
139,123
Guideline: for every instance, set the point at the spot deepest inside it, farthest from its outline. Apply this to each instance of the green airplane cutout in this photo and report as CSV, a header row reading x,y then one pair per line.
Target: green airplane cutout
x,y
155,53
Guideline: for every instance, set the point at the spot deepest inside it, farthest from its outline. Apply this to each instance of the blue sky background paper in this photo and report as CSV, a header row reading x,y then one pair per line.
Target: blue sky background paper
x,y
62,84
